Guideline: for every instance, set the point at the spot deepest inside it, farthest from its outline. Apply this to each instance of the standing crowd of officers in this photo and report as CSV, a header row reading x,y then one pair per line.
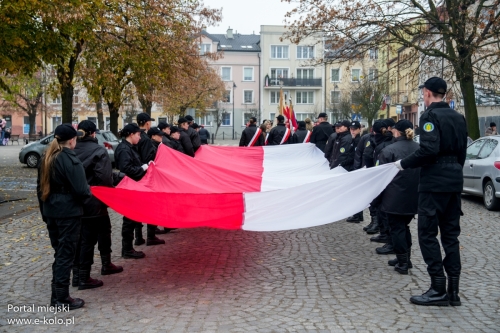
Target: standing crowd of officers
x,y
429,184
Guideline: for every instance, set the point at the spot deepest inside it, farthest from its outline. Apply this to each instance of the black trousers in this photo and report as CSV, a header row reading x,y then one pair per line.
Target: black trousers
x,y
383,223
94,230
373,210
440,211
400,232
150,231
128,227
64,235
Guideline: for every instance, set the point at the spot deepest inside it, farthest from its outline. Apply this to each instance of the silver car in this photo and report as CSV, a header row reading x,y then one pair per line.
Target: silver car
x,y
30,153
482,171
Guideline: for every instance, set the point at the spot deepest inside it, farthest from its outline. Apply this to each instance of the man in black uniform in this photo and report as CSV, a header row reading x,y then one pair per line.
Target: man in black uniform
x,y
193,133
165,129
147,153
187,144
355,129
341,147
301,133
204,135
322,132
441,156
277,135
175,134
248,136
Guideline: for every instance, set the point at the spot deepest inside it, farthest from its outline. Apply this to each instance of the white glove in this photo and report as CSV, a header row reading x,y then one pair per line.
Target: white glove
x,y
151,162
398,165
144,167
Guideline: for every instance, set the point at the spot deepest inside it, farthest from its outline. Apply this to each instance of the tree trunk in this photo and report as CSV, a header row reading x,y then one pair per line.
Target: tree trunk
x,y
146,104
32,119
65,76
465,75
113,117
67,102
100,114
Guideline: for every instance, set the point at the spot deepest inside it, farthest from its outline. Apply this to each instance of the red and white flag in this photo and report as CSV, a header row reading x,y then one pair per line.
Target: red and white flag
x,y
251,189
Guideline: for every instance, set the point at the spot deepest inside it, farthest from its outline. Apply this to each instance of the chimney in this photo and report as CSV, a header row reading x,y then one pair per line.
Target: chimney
x,y
229,33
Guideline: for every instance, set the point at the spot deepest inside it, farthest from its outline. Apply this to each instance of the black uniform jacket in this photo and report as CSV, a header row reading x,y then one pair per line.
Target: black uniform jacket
x,y
401,195
329,146
68,187
186,143
247,135
276,135
375,146
176,144
146,149
341,151
203,134
195,139
358,154
320,135
98,171
349,163
299,136
443,146
165,139
127,160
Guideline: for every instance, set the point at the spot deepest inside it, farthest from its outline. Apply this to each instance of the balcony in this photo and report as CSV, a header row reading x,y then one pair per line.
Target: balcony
x,y
293,82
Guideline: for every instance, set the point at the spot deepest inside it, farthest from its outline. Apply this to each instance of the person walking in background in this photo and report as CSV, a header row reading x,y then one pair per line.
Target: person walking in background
x,y
492,130
6,137
204,135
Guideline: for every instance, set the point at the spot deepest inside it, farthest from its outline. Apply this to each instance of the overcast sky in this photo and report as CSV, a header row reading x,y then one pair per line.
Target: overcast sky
x,y
247,16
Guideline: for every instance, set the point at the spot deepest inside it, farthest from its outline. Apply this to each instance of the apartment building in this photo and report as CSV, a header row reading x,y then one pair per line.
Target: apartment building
x,y
291,67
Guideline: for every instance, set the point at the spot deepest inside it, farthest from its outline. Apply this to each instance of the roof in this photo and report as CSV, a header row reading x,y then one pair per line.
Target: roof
x,y
240,43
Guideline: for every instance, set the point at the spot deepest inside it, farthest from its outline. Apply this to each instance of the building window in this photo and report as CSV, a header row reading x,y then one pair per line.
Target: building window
x,y
247,73
94,120
107,126
335,75
226,73
304,97
305,73
26,125
226,119
303,116
75,96
206,119
277,74
248,96
275,96
372,74
227,97
279,52
355,75
272,115
205,48
56,121
305,52
247,116
374,54
162,120
355,97
57,100
335,97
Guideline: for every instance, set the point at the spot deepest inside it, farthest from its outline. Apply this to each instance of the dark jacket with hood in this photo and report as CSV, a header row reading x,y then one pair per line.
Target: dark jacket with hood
x,y
187,145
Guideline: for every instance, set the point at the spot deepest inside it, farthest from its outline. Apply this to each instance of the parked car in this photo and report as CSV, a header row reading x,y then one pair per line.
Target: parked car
x,y
482,171
30,153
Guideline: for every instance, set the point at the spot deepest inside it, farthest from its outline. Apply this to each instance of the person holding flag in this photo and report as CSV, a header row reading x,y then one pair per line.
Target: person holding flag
x,y
252,135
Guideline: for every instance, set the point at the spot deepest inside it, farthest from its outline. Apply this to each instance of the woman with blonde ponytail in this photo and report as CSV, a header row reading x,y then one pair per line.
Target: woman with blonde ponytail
x,y
61,189
399,201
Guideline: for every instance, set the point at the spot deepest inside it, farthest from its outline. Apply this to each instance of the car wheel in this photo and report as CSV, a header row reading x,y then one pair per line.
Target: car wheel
x,y
491,202
32,160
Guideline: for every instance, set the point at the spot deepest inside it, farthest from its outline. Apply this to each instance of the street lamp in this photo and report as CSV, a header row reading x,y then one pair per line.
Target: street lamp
x,y
234,86
335,87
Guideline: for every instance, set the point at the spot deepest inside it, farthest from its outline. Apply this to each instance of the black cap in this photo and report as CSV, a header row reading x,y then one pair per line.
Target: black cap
x,y
436,85
280,118
337,124
143,118
403,125
493,125
378,125
174,129
345,123
189,117
355,124
65,132
129,129
322,115
162,125
154,131
87,126
182,120
389,122
195,126
301,124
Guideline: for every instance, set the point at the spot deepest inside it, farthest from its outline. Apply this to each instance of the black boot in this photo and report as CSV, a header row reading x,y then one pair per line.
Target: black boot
x,y
374,218
386,249
86,282
63,299
107,267
436,295
453,290
356,218
375,228
139,241
132,254
154,241
75,280
380,239
394,261
53,297
158,231
402,266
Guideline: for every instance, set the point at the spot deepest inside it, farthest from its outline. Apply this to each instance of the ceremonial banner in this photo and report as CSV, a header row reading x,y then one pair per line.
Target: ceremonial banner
x,y
256,188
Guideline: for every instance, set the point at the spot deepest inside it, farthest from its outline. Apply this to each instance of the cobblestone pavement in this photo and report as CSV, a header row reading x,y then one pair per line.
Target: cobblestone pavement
x,y
322,279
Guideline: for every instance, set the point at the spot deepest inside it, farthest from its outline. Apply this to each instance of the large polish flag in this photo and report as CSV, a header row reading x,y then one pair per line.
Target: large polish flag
x,y
268,188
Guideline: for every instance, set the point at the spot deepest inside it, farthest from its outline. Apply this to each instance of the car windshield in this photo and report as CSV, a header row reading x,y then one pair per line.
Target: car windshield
x,y
109,136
